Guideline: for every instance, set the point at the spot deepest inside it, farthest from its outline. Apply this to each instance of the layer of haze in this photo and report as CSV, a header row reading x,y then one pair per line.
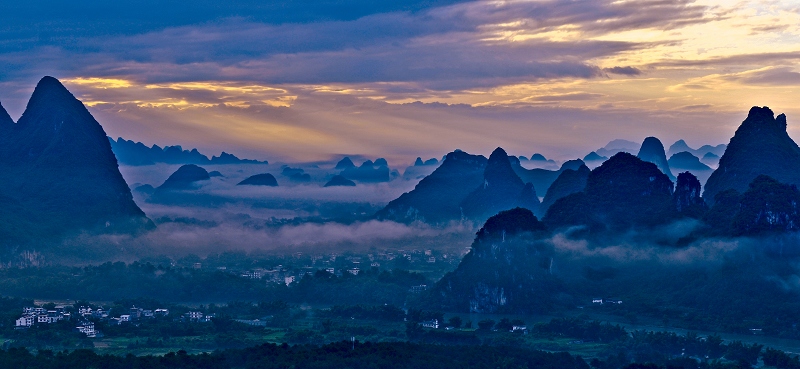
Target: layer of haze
x,y
412,78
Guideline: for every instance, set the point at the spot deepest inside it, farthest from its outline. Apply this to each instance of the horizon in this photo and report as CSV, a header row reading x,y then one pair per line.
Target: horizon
x,y
283,82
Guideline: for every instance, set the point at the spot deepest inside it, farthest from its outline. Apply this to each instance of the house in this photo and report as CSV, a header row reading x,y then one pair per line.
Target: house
x,y
135,313
25,321
288,280
147,314
124,318
84,311
520,328
161,312
597,301
194,316
100,313
420,288
87,328
353,271
431,324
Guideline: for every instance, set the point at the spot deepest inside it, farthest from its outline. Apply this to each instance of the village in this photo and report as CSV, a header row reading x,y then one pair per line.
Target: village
x,y
85,317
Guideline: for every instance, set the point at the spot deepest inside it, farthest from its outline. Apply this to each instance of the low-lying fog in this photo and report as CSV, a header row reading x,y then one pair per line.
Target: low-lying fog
x,y
220,216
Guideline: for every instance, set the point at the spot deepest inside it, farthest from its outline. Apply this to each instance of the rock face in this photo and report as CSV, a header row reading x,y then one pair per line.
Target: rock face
x,y
768,206
185,178
58,172
264,179
622,193
340,181
687,196
760,146
653,151
506,271
568,182
437,198
501,190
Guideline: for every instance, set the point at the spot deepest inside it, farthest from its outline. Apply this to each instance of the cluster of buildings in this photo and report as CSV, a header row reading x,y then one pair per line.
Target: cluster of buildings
x,y
85,317
37,315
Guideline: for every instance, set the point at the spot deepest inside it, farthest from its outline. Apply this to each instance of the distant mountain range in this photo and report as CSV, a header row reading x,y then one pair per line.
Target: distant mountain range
x,y
137,153
59,173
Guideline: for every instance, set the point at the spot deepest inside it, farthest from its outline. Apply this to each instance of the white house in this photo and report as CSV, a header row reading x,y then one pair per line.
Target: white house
x,y
431,324
25,321
87,328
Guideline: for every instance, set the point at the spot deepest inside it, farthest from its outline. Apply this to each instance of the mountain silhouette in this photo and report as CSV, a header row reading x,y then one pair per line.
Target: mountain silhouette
x,y
185,178
539,177
264,179
568,182
760,145
136,153
502,189
653,151
345,163
622,193
58,172
338,180
506,270
437,198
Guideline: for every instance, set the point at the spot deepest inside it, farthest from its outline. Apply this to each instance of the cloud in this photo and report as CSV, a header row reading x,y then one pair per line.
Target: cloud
x,y
627,71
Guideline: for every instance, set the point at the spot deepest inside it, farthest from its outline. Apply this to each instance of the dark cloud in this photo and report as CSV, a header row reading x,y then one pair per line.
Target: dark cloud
x,y
628,71
446,44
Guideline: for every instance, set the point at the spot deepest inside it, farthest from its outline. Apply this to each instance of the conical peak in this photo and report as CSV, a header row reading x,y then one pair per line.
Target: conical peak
x,y
50,87
49,94
651,143
498,155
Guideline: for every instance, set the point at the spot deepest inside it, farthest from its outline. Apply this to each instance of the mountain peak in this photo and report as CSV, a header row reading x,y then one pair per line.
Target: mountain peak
x,y
759,117
498,155
761,145
652,150
499,168
49,92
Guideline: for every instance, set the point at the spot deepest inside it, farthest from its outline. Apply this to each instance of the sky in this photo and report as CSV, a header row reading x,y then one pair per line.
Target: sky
x,y
314,80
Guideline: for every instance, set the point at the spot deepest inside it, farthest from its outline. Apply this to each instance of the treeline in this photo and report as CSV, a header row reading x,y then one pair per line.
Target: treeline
x,y
354,355
335,355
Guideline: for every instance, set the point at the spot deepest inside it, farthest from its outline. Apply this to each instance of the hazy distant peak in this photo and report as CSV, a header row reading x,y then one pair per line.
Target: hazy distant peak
x,y
594,156
573,164
345,163
652,150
